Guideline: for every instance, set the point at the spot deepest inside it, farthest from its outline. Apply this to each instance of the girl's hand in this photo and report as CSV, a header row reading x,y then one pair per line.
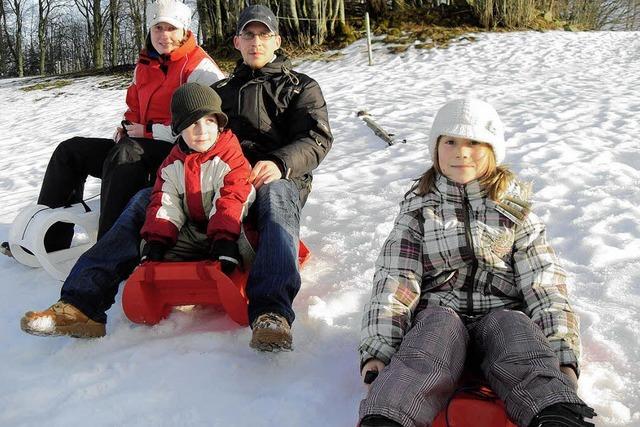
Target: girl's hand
x,y
371,365
135,130
570,374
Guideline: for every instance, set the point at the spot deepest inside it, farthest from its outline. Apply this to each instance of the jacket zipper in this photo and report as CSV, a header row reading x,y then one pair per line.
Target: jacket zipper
x,y
474,265
247,84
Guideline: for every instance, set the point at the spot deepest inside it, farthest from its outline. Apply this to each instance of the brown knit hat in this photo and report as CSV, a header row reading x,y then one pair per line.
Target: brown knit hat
x,y
192,101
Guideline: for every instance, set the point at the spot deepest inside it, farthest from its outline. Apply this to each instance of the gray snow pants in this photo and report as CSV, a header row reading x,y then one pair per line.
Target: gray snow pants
x,y
518,363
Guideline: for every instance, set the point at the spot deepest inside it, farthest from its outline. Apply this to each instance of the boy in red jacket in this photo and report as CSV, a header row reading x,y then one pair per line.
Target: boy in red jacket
x,y
200,197
202,192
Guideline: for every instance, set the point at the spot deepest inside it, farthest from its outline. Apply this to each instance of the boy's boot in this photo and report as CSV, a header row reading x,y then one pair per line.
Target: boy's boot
x,y
61,319
271,332
564,415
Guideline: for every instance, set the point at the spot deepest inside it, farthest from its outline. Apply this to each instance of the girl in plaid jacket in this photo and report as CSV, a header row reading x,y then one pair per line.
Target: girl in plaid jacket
x,y
467,269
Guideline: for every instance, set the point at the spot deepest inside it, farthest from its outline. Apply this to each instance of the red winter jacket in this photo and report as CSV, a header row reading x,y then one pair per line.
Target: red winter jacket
x,y
209,188
155,79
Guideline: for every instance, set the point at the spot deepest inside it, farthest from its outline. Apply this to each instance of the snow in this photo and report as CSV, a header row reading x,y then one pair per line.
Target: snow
x,y
571,106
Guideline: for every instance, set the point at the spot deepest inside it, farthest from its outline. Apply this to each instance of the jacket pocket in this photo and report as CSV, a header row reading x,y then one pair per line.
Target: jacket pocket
x,y
499,286
443,281
496,245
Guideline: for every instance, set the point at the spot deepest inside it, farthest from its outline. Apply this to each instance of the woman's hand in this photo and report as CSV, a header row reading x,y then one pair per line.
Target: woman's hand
x,y
118,134
135,130
374,365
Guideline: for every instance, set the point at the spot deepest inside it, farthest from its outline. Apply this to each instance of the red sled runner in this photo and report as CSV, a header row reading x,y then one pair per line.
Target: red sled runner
x,y
474,407
155,288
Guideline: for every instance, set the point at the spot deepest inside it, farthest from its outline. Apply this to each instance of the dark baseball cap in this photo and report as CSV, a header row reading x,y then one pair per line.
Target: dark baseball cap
x,y
257,13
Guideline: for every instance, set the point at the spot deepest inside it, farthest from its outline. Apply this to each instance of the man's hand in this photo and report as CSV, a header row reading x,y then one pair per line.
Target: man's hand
x,y
371,365
135,130
264,172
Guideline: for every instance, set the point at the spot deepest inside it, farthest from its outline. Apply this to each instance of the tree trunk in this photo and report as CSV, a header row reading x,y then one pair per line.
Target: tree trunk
x,y
98,39
19,52
3,48
114,17
207,24
44,9
136,14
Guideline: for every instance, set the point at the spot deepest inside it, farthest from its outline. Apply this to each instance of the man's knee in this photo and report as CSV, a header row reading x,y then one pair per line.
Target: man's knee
x,y
140,200
280,188
277,195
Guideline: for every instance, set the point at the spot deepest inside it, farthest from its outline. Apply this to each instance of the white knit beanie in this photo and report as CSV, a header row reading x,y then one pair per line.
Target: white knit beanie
x,y
172,12
471,119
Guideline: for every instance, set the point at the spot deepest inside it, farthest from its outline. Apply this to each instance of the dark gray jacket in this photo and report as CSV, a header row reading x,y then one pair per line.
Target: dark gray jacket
x,y
280,115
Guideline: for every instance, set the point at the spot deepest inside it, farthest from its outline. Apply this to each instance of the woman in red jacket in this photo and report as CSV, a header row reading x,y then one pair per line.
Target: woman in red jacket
x,y
128,162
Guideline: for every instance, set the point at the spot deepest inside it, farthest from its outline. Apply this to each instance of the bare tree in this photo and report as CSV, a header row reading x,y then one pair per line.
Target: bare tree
x,y
3,44
14,41
114,33
92,12
302,22
45,10
137,14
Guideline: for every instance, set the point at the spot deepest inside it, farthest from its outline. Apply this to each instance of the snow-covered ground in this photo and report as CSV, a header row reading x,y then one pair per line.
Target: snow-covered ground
x,y
571,105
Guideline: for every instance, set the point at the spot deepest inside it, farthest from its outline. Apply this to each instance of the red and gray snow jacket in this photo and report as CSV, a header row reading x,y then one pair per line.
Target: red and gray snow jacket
x,y
155,79
210,189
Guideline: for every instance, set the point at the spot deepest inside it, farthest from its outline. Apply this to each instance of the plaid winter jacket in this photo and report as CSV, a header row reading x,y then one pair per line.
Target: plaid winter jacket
x,y
457,248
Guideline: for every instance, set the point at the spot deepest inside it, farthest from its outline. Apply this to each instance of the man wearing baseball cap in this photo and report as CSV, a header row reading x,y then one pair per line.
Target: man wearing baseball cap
x,y
280,117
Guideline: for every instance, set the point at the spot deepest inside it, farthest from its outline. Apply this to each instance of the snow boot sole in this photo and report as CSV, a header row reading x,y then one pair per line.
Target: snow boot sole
x,y
271,340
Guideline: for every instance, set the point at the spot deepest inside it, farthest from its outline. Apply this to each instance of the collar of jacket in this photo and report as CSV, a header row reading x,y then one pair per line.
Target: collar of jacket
x,y
223,136
280,65
150,54
514,205
455,192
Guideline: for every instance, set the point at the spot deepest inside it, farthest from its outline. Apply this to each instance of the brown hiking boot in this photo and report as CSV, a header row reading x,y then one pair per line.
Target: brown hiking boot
x,y
61,319
271,332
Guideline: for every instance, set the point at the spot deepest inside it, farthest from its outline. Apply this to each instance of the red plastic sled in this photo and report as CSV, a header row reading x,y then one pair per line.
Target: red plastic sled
x,y
481,408
155,287
477,408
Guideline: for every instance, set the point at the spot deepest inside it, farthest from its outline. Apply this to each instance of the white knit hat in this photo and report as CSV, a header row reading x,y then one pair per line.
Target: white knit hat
x,y
472,119
172,12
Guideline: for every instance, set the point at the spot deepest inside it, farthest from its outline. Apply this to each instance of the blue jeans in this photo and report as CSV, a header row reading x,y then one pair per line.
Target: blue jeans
x,y
93,282
273,282
274,279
